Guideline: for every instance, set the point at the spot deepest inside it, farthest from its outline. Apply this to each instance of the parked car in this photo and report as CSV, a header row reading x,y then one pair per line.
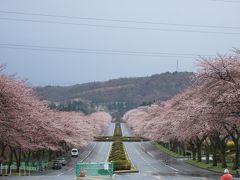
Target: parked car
x,y
62,160
56,164
74,152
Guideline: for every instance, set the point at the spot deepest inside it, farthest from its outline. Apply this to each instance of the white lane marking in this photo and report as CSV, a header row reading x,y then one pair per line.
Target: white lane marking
x,y
125,146
169,166
149,164
148,171
198,178
172,168
70,169
89,152
96,158
151,154
60,174
109,149
158,177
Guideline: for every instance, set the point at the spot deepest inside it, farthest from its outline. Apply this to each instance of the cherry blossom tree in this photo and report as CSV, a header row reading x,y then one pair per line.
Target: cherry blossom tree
x,y
220,80
28,126
205,115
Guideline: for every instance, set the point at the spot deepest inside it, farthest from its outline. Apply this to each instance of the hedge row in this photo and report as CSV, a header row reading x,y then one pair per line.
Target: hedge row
x,y
123,138
119,157
117,130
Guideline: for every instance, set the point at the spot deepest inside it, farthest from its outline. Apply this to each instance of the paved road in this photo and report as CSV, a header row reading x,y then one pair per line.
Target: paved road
x,y
150,168
94,152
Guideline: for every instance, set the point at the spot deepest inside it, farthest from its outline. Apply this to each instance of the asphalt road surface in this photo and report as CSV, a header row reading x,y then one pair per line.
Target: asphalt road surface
x,y
94,152
150,168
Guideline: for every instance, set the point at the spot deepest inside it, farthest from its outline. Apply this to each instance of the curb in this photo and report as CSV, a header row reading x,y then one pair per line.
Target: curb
x,y
214,173
217,173
109,151
126,171
94,178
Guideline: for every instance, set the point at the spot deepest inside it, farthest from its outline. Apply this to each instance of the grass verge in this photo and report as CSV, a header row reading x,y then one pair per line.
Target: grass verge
x,y
209,166
170,153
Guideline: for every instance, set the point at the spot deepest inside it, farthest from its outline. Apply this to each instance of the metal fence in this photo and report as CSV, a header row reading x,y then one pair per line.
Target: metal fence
x,y
95,169
24,169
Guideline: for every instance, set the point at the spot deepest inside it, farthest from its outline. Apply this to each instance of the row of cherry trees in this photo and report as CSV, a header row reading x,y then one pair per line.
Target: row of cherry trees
x,y
29,128
203,117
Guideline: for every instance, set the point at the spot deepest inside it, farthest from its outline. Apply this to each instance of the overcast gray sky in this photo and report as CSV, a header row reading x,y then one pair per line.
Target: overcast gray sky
x,y
61,42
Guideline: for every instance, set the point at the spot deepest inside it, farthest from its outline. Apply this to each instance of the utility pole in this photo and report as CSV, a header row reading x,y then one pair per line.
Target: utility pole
x,y
177,66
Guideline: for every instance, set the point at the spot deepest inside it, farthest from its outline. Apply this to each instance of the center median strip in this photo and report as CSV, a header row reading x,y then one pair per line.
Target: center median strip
x,y
119,155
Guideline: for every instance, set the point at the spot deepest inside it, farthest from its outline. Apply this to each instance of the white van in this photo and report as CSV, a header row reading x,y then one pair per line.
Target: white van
x,y
74,152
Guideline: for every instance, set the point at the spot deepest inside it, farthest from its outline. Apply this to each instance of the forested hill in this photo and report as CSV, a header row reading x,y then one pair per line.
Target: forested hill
x,y
116,95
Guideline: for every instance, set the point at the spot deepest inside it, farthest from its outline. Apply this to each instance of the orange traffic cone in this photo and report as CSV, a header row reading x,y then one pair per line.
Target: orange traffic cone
x,y
82,173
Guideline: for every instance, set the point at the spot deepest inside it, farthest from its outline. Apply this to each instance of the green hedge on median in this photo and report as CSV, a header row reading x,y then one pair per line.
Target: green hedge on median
x,y
119,157
117,130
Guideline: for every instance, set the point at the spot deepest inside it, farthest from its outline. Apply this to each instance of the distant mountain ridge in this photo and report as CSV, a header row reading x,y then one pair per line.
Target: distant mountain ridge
x,y
118,94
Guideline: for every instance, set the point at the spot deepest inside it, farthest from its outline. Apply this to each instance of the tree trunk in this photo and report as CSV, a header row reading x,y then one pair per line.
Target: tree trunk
x,y
214,162
43,155
168,146
171,146
235,135
24,159
236,163
49,155
38,155
199,154
2,153
3,150
10,161
175,146
224,162
180,150
183,150
223,149
17,157
193,149
207,156
198,143
214,146
207,151
28,158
